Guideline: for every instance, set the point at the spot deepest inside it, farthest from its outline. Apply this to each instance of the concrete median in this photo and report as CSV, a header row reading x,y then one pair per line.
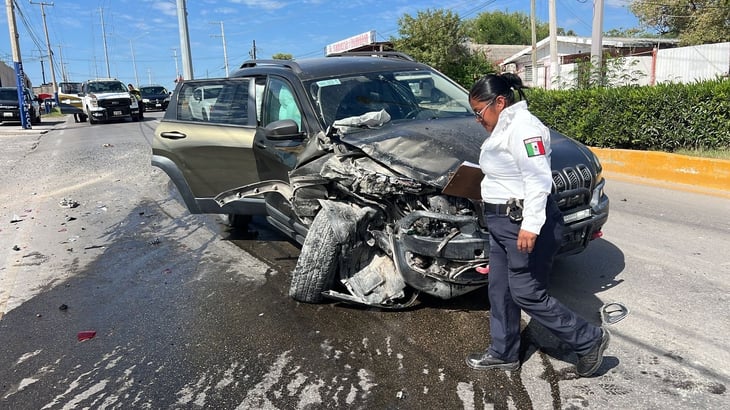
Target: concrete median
x,y
706,175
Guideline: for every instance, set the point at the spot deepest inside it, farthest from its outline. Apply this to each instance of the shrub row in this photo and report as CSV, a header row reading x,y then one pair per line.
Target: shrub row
x,y
665,117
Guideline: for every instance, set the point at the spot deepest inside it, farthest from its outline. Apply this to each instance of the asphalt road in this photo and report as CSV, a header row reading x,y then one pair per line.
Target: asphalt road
x,y
188,314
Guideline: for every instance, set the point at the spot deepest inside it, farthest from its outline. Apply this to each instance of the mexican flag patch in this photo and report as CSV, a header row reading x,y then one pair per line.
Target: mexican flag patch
x,y
534,147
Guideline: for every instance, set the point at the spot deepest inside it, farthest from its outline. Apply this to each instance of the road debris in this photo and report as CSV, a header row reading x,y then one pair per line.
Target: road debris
x,y
86,335
68,203
15,219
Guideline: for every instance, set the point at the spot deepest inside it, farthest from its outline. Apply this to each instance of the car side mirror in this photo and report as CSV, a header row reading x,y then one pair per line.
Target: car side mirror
x,y
283,130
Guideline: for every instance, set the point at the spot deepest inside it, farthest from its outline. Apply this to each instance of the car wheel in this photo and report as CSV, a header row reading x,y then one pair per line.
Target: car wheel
x,y
317,263
35,120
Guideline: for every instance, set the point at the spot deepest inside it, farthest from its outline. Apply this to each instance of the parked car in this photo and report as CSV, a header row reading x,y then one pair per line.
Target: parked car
x,y
155,97
108,99
10,108
201,100
349,155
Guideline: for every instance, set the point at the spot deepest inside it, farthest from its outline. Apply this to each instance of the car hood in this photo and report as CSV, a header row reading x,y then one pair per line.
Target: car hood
x,y
9,103
104,96
427,150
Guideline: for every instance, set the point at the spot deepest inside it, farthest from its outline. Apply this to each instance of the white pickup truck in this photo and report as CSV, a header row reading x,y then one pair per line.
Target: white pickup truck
x,y
108,99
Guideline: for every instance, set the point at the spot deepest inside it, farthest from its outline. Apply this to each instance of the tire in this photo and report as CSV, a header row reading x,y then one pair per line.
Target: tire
x,y
317,263
36,119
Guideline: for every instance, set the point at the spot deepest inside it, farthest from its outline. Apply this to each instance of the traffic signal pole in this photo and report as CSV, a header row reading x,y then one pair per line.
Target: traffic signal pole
x,y
18,65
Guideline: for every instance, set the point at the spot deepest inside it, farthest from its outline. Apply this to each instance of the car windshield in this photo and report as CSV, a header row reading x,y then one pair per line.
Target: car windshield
x,y
107,87
9,94
417,94
153,90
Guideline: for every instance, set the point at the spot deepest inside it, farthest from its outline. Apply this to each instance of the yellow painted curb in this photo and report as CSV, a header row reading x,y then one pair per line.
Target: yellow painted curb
x,y
683,169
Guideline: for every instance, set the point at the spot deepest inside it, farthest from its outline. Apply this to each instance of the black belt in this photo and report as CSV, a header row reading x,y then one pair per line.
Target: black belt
x,y
498,209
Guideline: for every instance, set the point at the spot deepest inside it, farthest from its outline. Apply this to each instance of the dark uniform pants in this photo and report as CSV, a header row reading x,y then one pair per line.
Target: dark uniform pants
x,y
519,281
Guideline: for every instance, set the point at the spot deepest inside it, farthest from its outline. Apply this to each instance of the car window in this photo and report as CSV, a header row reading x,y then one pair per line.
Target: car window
x,y
404,95
224,102
153,90
280,103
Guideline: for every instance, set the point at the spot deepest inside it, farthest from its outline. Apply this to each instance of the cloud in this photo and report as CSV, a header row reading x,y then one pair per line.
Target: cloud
x,y
262,4
169,9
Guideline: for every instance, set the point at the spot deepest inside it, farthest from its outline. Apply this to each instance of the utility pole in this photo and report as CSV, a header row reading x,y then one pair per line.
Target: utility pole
x,y
554,63
177,68
134,64
597,41
18,64
533,28
182,19
106,52
252,53
50,51
64,74
43,69
225,53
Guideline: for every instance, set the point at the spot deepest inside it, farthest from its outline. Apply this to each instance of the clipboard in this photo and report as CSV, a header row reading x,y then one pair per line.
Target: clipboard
x,y
465,181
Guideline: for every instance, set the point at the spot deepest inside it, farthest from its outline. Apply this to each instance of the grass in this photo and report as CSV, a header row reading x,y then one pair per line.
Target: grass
x,y
716,154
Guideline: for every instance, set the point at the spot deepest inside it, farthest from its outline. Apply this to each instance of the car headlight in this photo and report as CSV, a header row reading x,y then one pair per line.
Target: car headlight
x,y
94,102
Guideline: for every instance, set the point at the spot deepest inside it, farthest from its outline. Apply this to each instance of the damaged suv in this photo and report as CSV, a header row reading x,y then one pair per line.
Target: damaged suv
x,y
349,156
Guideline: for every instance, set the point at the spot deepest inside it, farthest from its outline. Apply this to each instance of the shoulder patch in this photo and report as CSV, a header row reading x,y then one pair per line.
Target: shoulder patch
x,y
534,147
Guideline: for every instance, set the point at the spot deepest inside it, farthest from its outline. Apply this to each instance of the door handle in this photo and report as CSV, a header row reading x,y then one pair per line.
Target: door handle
x,y
173,135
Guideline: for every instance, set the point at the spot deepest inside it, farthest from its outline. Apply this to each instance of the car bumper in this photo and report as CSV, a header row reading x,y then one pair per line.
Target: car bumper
x,y
154,105
438,266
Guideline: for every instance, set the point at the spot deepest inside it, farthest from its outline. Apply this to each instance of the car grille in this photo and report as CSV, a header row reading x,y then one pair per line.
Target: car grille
x,y
115,102
572,186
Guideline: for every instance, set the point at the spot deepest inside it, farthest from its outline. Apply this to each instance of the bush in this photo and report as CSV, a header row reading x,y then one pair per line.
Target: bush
x,y
666,117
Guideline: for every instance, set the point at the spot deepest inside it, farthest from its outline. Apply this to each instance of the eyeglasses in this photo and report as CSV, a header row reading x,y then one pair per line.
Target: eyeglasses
x,y
479,113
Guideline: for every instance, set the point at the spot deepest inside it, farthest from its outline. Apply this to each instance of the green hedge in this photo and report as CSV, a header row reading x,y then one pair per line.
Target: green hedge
x,y
665,117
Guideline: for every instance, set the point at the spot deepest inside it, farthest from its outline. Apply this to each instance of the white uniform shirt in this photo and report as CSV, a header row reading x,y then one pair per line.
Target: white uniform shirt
x,y
515,160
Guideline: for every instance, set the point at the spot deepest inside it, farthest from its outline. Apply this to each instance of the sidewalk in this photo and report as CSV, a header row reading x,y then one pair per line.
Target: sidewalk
x,y
47,124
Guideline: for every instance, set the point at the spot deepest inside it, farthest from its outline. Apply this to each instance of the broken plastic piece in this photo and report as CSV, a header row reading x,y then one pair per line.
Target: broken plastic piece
x,y
86,335
484,270
613,312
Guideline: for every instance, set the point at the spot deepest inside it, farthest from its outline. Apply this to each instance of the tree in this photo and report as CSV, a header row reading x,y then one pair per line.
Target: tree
x,y
504,28
438,38
692,21
282,56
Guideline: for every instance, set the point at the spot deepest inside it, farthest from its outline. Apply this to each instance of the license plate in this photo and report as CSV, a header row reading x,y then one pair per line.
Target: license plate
x,y
158,105
7,114
117,113
577,216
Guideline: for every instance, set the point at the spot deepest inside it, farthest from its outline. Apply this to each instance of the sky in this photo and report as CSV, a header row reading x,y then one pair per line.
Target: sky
x,y
138,41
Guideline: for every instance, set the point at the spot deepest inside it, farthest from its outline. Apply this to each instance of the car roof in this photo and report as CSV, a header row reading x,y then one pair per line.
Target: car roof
x,y
323,67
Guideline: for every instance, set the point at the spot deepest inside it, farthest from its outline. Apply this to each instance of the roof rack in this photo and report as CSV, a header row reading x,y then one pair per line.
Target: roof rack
x,y
386,54
292,65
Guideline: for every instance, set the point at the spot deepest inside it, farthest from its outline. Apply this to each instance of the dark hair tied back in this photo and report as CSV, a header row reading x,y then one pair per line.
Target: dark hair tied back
x,y
491,86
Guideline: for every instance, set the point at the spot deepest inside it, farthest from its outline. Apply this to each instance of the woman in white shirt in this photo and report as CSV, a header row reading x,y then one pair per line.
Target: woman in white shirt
x,y
525,228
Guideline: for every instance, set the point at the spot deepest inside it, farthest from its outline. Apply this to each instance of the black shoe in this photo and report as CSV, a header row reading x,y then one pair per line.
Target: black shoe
x,y
591,361
485,361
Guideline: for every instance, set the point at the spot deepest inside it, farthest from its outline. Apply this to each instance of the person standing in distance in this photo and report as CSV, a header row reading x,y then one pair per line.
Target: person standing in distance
x,y
525,227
